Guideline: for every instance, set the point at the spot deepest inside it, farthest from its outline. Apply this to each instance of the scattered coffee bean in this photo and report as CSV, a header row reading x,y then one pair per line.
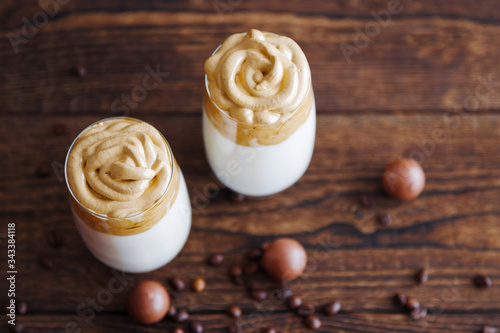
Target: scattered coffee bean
x,y
177,330
400,300
80,70
313,322
332,308
22,308
17,328
235,327
172,311
482,281
177,284
250,285
235,197
60,129
181,316
43,170
254,254
216,260
46,262
385,219
264,245
305,310
283,293
54,239
196,327
236,271
418,314
234,311
422,276
268,330
489,329
251,268
367,201
259,294
294,302
404,179
412,304
198,285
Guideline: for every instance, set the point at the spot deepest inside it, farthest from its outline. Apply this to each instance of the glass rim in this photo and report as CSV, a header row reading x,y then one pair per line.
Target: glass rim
x,y
226,114
102,216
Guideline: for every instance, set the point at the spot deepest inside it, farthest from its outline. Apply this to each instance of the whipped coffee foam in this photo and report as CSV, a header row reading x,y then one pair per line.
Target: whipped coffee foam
x,y
119,167
258,77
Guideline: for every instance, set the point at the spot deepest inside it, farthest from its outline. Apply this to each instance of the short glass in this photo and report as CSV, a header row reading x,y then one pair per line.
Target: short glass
x,y
259,160
144,240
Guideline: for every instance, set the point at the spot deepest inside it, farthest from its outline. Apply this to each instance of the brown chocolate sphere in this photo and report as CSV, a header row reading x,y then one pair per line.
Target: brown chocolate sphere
x,y
284,259
404,179
148,302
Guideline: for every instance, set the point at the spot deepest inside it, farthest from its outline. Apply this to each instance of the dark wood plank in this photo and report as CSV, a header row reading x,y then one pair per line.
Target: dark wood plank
x,y
253,321
414,64
451,228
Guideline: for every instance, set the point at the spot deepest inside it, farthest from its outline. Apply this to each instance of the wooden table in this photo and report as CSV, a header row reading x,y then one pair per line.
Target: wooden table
x,y
424,84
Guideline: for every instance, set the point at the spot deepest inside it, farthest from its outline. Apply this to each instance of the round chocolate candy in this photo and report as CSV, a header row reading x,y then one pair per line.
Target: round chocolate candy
x,y
148,302
404,179
284,259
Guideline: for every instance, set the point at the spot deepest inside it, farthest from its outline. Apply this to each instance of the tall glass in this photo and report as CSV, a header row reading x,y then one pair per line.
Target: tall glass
x,y
128,196
259,113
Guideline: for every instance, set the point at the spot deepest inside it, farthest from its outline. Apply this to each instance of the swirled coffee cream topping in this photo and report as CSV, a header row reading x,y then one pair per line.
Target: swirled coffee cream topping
x,y
119,167
258,77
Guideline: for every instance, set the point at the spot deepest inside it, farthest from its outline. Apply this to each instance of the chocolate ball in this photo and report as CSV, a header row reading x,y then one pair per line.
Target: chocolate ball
x,y
284,259
404,179
148,302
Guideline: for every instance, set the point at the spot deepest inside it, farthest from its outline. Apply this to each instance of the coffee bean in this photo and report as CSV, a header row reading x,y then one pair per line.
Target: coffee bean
x,y
489,329
482,281
54,239
60,129
181,316
259,294
332,308
177,284
216,260
294,302
313,322
422,276
235,327
234,311
385,219
236,271
234,197
46,262
418,314
251,268
254,254
43,170
367,201
178,330
196,327
17,328
358,213
305,310
250,285
268,330
198,285
400,300
80,70
283,293
172,311
22,308
412,304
